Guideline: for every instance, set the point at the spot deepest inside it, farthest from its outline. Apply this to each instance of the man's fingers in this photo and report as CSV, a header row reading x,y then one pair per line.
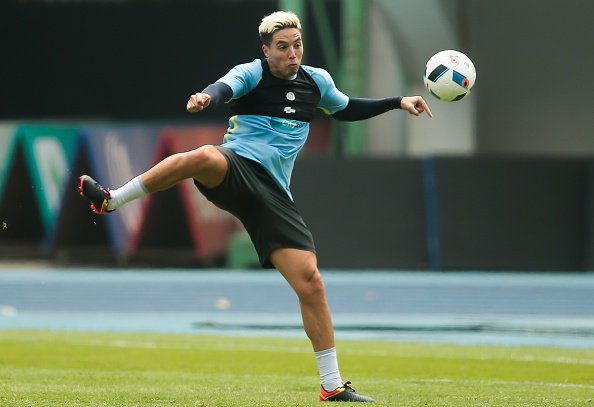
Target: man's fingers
x,y
424,106
418,106
191,105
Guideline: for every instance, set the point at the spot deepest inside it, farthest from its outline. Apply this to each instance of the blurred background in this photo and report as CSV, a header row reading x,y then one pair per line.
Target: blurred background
x,y
501,180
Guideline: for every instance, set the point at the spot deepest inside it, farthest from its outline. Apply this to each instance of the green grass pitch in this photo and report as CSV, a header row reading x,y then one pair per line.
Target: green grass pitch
x,y
108,369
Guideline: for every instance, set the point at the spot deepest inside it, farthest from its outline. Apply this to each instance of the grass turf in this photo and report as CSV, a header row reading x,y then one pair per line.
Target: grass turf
x,y
106,369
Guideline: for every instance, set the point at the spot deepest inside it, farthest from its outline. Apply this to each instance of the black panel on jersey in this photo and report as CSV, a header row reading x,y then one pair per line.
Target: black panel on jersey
x,y
295,99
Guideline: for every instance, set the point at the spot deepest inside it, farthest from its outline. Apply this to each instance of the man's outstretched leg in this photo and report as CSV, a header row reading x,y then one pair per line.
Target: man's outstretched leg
x,y
205,164
300,269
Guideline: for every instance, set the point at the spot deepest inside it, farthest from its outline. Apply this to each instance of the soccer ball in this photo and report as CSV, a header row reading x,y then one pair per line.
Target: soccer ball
x,y
449,75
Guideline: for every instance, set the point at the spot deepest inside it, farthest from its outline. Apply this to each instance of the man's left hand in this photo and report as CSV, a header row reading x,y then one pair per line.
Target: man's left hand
x,y
415,105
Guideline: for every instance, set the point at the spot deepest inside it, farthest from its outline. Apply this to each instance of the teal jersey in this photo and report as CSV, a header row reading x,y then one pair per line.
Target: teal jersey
x,y
272,117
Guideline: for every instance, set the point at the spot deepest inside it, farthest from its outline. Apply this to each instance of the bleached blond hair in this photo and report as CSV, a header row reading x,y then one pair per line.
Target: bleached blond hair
x,y
275,22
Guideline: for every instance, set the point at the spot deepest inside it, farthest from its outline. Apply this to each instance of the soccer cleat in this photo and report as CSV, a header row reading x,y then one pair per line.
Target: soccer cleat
x,y
94,192
344,393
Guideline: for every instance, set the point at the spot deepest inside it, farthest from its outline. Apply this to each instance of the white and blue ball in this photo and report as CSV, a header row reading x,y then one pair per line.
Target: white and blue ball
x,y
449,75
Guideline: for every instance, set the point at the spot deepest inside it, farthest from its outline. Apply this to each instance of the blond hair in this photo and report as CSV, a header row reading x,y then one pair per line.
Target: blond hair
x,y
277,21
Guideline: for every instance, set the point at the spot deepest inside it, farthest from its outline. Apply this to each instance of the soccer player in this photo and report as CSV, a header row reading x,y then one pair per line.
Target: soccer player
x,y
273,100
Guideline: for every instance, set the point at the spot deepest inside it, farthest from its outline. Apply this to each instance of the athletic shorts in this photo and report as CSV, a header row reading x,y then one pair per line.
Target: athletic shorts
x,y
263,207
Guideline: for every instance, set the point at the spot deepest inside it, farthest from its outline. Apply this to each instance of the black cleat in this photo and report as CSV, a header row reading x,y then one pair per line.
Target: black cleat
x,y
94,192
344,393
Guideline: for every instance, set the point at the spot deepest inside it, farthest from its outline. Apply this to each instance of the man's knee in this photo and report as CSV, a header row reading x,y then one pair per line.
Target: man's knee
x,y
209,164
311,286
205,157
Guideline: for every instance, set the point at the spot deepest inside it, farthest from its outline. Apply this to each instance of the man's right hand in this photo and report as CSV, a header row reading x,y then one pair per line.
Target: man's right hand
x,y
198,102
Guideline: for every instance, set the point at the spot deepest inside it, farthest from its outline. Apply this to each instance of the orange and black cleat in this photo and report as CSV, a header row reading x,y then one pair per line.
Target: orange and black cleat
x,y
344,393
94,192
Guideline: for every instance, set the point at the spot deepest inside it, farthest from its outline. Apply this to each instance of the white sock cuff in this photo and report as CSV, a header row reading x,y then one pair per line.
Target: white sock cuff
x,y
138,181
325,352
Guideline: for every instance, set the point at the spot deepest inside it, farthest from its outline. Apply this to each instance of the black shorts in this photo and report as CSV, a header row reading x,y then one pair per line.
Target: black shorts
x,y
263,207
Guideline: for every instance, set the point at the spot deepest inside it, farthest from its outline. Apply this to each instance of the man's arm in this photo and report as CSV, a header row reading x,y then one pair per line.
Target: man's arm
x,y
361,109
213,95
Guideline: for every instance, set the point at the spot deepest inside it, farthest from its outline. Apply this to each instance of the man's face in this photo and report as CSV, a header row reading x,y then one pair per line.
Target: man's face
x,y
284,53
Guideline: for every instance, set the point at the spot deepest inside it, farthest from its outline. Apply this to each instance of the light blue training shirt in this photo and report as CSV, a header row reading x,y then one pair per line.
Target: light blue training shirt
x,y
275,142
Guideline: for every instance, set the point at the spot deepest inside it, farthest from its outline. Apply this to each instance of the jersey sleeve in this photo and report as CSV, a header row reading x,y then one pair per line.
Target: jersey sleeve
x,y
243,78
332,99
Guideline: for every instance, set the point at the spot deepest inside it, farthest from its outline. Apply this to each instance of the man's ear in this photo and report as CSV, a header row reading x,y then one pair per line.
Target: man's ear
x,y
265,50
